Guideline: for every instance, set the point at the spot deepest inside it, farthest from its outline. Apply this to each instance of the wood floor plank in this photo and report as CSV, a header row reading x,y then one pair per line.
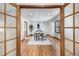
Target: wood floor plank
x,y
37,50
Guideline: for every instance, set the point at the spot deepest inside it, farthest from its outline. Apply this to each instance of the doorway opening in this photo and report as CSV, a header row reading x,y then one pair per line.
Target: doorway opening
x,y
45,40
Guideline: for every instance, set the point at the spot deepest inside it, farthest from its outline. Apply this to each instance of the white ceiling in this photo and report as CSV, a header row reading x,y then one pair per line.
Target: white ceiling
x,y
39,14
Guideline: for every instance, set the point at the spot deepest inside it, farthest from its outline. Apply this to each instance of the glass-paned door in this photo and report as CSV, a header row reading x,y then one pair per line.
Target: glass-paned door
x,y
10,30
7,29
71,29
76,29
68,30
2,40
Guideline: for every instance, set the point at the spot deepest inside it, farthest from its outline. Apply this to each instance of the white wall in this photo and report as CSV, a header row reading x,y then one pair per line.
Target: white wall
x,y
52,27
43,26
28,31
47,27
22,28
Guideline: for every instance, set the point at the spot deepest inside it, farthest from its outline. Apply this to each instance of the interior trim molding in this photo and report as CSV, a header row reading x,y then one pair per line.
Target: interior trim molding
x,y
53,37
68,51
38,6
10,51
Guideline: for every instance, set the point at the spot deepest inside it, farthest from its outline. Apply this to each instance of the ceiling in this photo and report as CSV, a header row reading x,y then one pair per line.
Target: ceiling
x,y
39,14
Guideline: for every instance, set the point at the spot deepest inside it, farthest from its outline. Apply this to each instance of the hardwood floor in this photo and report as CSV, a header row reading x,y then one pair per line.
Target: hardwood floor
x,y
41,50
37,50
56,44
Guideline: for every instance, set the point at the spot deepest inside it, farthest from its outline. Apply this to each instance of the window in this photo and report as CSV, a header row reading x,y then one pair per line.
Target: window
x,y
57,26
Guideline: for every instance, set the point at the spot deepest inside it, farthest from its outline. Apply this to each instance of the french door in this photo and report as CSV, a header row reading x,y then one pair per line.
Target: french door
x,y
71,29
8,29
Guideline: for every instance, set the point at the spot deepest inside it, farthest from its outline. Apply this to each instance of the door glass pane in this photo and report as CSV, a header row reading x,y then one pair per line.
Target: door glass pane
x,y
69,34
77,49
1,34
68,41
68,9
68,21
77,35
67,53
76,7
1,49
68,47
77,40
1,20
13,53
11,45
10,33
11,9
10,22
1,7
77,20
